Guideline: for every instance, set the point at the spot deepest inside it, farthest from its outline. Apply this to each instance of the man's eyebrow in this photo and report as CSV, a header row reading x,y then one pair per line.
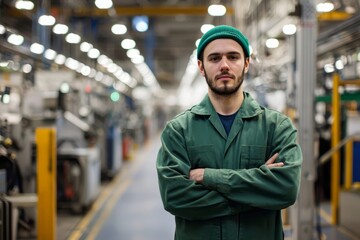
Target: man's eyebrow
x,y
226,53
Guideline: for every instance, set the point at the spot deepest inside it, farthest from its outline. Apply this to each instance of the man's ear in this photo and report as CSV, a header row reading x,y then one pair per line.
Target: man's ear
x,y
247,65
201,68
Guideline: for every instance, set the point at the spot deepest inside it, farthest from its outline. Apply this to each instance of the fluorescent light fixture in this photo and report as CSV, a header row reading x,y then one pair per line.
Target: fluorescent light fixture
x,y
72,38
325,7
85,47
26,68
15,39
339,64
60,59
197,42
65,87
206,27
103,60
329,68
92,73
50,54
71,63
272,43
112,67
217,10
60,29
37,48
131,53
128,43
289,29
93,53
103,4
2,29
141,23
85,70
99,76
118,29
24,5
46,20
137,60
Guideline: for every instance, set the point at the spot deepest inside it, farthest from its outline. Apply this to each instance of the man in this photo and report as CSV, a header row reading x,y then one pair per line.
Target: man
x,y
227,166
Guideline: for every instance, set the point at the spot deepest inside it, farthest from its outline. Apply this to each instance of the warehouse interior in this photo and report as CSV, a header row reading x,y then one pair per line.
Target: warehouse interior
x,y
87,88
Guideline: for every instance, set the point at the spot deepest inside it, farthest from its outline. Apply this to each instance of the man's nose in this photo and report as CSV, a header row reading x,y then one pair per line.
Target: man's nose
x,y
224,64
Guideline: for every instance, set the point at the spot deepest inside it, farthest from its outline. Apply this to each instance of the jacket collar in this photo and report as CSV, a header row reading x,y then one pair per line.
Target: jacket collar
x,y
248,109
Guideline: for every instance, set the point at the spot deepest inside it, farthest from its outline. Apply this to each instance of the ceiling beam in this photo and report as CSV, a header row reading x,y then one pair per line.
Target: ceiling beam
x,y
154,11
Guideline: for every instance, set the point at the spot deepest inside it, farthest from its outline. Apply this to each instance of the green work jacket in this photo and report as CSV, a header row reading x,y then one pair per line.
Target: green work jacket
x,y
240,197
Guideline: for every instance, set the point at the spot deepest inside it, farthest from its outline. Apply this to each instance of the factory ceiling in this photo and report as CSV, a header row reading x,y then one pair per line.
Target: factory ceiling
x,y
173,28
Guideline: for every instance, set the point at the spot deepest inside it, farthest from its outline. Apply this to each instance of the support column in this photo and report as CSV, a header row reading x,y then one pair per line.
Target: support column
x,y
303,210
46,182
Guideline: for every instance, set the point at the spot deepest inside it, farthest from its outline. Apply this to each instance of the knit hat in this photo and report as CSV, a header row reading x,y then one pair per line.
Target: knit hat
x,y
223,31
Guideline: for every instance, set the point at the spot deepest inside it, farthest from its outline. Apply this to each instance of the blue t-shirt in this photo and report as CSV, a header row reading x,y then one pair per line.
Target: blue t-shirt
x,y
227,121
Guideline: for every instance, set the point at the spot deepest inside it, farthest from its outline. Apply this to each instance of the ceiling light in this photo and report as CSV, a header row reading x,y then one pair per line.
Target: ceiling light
x,y
27,68
103,4
4,64
128,43
339,64
37,48
217,10
141,23
46,20
15,39
272,43
71,63
99,76
65,87
24,5
329,68
137,60
197,42
206,27
325,7
112,67
131,53
85,70
60,59
60,29
50,54
2,29
85,47
73,38
289,29
118,29
92,73
93,53
103,60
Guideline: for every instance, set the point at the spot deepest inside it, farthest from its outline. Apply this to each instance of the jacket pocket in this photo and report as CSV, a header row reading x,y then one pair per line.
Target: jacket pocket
x,y
253,156
202,156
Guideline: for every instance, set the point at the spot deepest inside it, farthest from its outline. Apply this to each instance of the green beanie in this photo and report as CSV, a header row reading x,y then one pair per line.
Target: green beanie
x,y
223,31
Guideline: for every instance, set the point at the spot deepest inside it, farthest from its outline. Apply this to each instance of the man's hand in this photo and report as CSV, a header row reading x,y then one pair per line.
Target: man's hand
x,y
270,163
197,175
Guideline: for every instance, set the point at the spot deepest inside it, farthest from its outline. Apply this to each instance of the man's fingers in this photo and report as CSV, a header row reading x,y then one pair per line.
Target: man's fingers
x,y
272,159
280,164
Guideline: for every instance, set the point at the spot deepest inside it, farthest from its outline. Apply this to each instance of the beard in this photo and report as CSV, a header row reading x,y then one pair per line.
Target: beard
x,y
224,89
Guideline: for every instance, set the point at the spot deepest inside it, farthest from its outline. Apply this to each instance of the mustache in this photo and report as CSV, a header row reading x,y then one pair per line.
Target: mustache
x,y
225,74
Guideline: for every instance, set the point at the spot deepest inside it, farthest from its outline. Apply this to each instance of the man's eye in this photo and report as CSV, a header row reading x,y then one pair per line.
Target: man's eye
x,y
233,57
215,58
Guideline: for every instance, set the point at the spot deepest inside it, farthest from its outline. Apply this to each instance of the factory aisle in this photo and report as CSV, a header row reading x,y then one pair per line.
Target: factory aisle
x,y
130,207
